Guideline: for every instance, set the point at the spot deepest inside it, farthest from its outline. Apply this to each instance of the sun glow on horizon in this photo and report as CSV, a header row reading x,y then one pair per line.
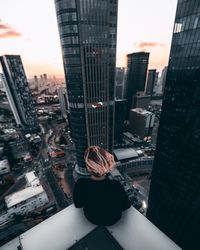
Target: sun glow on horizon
x,y
29,29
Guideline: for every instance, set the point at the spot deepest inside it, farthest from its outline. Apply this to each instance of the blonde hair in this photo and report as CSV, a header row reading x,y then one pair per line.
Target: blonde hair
x,y
98,161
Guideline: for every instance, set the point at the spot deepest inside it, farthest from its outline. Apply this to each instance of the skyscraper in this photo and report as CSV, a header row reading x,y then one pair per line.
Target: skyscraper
x,y
18,92
88,39
136,72
119,79
120,111
174,201
151,80
163,79
36,82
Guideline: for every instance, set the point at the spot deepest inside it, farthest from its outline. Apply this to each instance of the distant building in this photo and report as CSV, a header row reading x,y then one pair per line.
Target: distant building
x,y
136,72
151,81
1,81
36,82
119,80
141,122
26,200
63,99
163,79
141,100
4,167
18,92
135,161
1,149
120,111
156,89
45,77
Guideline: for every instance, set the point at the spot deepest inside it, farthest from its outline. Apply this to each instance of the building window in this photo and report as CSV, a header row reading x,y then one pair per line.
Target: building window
x,y
177,27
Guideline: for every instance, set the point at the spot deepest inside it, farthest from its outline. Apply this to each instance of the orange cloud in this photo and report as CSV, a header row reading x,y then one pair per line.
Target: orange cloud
x,y
10,33
149,44
4,26
6,31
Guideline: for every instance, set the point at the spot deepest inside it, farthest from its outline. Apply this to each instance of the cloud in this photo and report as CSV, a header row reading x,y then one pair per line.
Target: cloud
x,y
6,31
142,45
4,26
10,33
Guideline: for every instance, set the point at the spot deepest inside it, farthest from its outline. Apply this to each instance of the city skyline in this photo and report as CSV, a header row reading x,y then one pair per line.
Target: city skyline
x,y
38,42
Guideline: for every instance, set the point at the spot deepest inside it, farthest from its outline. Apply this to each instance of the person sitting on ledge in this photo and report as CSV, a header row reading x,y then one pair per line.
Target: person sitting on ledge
x,y
102,199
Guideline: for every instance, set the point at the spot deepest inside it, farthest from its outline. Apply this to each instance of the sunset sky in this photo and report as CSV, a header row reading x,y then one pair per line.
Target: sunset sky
x,y
29,28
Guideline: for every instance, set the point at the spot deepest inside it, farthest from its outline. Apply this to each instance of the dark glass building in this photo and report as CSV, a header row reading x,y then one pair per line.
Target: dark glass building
x,y
136,72
151,80
18,92
88,39
120,111
174,201
119,79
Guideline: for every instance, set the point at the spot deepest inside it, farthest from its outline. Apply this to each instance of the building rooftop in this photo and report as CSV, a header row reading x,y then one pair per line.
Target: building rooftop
x,y
67,229
4,164
141,111
32,179
125,153
27,193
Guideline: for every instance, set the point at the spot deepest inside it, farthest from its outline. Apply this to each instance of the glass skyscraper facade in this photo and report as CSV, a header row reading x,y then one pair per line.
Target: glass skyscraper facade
x,y
136,73
119,79
174,201
151,80
88,32
18,92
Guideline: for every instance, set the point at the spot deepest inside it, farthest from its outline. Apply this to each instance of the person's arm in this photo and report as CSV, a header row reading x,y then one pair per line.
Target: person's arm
x,y
78,194
125,203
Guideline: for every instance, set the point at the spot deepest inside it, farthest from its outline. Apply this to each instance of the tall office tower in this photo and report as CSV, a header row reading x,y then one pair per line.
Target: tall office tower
x,y
174,201
120,111
36,82
18,92
45,77
41,81
151,80
88,39
156,83
119,79
163,79
1,81
62,95
136,72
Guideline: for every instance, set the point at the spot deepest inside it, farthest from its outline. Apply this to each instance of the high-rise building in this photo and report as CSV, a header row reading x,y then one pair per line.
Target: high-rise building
x,y
88,39
141,122
45,77
163,79
136,72
18,92
36,82
1,81
63,99
156,84
151,80
119,79
120,111
174,199
141,100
